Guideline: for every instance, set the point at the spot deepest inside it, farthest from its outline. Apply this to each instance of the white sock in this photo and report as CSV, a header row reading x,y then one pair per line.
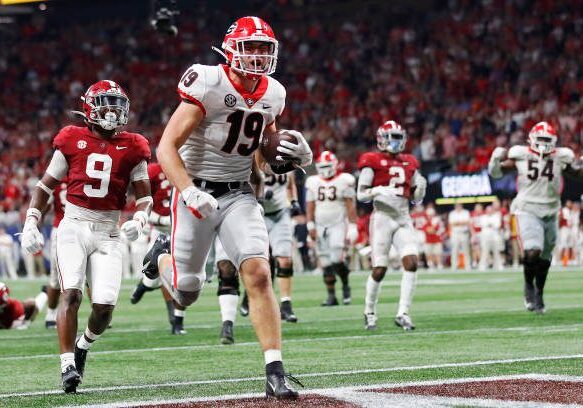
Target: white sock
x,y
179,313
40,301
372,295
228,304
286,298
82,343
51,315
408,283
272,355
67,359
150,283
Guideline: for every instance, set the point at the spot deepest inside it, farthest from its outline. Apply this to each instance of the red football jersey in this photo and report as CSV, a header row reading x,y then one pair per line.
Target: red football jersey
x,y
13,310
391,170
161,189
99,169
60,198
420,220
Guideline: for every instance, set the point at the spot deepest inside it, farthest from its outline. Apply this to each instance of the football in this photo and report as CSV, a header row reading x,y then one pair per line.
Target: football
x,y
269,145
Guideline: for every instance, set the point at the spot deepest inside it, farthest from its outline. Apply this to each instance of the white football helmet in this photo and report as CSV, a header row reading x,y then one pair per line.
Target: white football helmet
x,y
542,138
327,165
391,137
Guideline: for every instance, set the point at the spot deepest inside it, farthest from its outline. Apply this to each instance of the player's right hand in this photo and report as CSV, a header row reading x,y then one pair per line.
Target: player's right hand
x,y
32,240
384,191
199,203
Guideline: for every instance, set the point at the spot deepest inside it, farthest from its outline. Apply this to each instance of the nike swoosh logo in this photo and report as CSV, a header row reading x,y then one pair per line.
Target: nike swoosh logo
x,y
271,385
266,106
120,147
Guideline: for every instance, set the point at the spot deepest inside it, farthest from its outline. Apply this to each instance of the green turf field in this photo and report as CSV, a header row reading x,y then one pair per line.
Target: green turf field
x,y
466,324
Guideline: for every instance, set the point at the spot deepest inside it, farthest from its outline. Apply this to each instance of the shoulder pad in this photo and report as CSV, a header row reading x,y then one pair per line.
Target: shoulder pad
x,y
368,159
565,155
518,152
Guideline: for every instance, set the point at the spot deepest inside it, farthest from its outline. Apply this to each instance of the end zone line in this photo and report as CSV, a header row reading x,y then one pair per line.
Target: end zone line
x,y
306,375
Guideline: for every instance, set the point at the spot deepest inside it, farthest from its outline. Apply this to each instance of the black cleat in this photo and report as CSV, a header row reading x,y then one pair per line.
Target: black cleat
x,y
227,333
139,292
529,297
538,303
80,358
278,387
287,313
71,379
50,324
331,301
161,246
346,293
178,326
244,307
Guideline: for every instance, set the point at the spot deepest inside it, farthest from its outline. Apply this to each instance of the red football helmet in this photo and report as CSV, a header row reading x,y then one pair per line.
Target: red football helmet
x,y
391,137
250,47
542,138
327,164
4,294
106,104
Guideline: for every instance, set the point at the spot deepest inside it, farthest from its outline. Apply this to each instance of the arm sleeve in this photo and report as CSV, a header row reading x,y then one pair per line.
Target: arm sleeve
x,y
140,171
309,191
349,191
58,166
364,184
420,187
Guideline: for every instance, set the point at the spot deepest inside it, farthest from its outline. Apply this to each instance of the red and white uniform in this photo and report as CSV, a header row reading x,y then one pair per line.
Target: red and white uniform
x,y
476,226
330,215
161,192
59,201
491,243
98,173
434,231
459,232
390,222
420,222
11,314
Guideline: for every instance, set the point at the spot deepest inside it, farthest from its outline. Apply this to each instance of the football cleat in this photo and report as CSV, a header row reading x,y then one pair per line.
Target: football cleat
x,y
346,295
538,303
244,307
71,379
227,333
50,324
529,297
405,322
161,246
370,321
178,328
278,387
80,358
287,313
330,301
139,292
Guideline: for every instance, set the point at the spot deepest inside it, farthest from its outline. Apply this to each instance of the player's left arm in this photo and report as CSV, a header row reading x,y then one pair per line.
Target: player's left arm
x,y
292,195
142,190
571,169
349,195
419,186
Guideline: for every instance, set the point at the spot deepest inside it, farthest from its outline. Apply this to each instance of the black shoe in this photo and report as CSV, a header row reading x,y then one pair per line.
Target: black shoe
x,y
71,379
139,292
161,246
538,303
244,308
50,324
227,333
529,298
331,301
178,327
287,313
278,387
80,358
346,299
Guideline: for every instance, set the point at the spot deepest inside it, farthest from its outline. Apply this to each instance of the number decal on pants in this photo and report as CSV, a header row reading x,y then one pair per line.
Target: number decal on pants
x,y
102,175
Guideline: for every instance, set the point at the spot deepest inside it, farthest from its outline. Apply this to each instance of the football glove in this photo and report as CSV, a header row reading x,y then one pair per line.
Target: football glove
x,y
300,153
32,240
295,208
199,203
133,228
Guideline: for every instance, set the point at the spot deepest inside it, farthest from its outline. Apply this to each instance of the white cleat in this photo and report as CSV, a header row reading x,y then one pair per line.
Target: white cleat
x,y
370,321
405,322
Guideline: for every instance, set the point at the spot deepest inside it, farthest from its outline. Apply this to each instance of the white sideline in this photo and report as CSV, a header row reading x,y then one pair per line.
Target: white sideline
x,y
522,329
341,392
308,375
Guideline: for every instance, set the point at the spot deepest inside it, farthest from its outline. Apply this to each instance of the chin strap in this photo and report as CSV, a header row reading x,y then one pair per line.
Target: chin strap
x,y
221,53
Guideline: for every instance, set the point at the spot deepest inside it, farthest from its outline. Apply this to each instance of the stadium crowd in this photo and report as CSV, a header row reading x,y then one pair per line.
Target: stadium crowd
x,y
455,76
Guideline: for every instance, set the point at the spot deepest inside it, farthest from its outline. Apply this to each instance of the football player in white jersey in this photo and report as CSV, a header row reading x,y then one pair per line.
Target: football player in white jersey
x,y
329,205
540,166
206,151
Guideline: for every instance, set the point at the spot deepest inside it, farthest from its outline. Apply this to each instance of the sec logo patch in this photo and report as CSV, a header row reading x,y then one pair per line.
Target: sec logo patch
x,y
81,144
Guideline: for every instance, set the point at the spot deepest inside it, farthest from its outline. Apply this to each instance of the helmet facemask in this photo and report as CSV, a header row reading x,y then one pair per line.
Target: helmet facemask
x,y
543,143
326,170
392,141
108,110
256,56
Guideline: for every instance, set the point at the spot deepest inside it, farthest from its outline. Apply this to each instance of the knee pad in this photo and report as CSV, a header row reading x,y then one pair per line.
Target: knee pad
x,y
228,279
185,298
329,274
283,272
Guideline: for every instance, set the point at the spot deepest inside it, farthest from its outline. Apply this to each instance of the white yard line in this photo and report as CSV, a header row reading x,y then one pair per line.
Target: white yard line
x,y
329,374
520,329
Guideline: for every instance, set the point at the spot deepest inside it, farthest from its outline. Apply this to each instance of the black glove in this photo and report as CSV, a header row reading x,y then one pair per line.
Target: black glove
x,y
268,195
295,209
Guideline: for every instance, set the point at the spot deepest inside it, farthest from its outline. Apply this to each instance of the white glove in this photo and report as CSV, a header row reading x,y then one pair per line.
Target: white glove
x,y
494,164
420,189
499,153
133,228
300,152
32,240
199,203
385,191
352,233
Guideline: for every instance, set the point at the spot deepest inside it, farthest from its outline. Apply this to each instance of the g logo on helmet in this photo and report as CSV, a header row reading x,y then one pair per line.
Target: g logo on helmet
x,y
81,144
231,28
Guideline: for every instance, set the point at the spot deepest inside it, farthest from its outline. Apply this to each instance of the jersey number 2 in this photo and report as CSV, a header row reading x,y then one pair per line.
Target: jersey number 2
x,y
397,180
102,175
252,129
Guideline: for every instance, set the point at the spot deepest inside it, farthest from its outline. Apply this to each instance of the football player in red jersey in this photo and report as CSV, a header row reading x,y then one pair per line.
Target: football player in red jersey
x,y
15,314
100,162
391,179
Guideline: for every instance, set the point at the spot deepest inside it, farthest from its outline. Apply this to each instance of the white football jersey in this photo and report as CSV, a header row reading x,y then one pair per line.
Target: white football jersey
x,y
462,216
278,200
539,179
221,147
329,196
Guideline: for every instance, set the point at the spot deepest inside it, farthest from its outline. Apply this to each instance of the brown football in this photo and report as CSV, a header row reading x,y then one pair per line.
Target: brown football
x,y
269,144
